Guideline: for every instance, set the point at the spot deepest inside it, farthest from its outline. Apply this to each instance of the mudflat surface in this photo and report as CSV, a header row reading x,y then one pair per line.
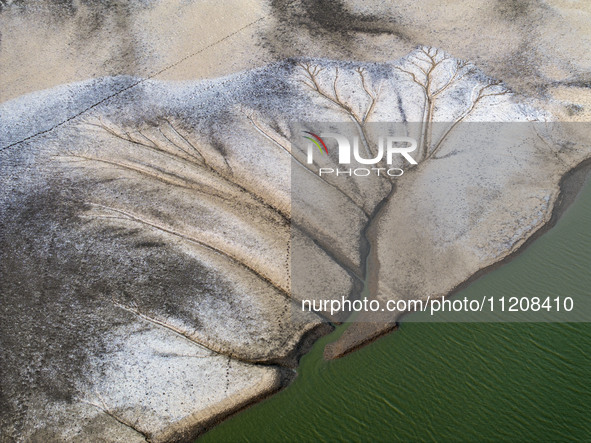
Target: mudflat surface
x,y
147,224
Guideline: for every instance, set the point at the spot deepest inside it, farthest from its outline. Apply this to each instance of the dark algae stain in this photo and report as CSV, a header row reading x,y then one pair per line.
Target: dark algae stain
x,y
92,21
512,10
330,21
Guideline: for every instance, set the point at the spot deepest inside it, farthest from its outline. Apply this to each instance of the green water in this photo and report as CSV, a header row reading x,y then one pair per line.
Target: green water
x,y
453,381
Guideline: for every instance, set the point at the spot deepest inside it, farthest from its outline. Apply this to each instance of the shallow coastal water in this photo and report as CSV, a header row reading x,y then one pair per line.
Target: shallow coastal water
x,y
468,381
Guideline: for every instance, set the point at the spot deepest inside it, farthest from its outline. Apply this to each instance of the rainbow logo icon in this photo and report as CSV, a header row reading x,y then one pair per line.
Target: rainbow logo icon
x,y
317,141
